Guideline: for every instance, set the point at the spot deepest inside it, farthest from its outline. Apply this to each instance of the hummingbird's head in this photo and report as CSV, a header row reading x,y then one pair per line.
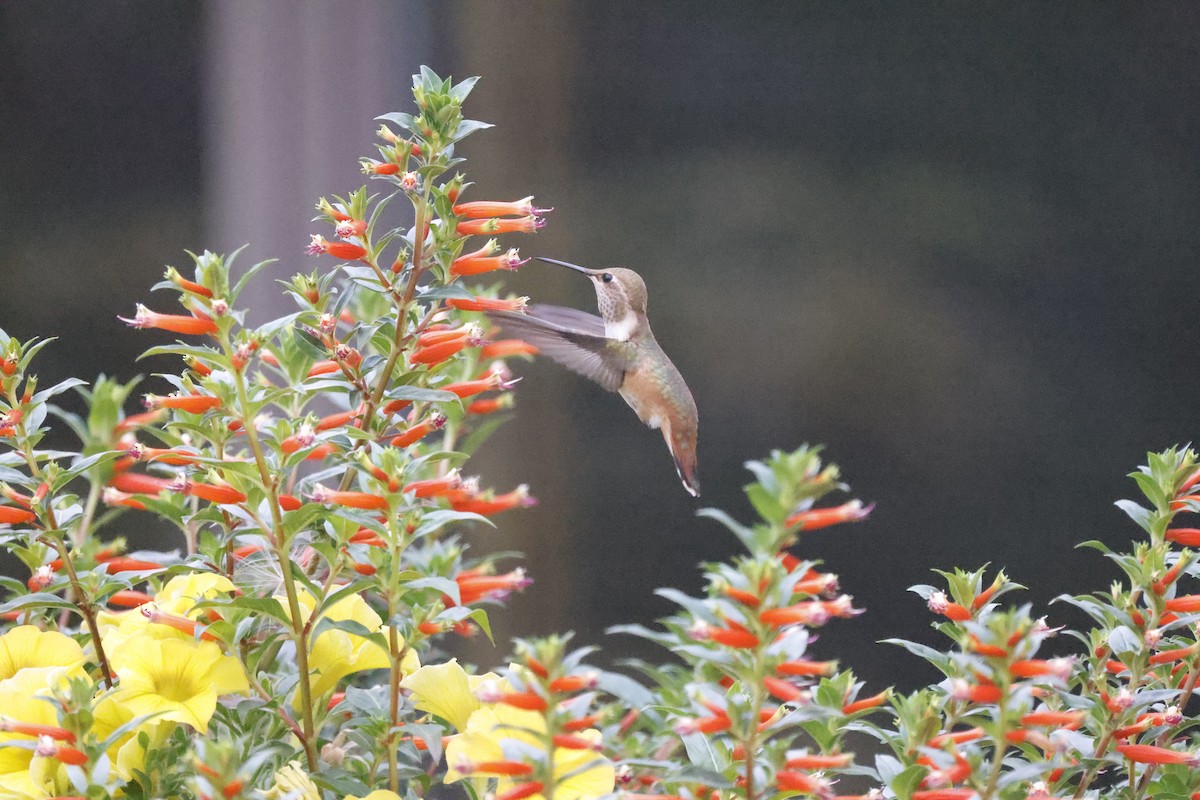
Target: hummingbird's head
x,y
618,290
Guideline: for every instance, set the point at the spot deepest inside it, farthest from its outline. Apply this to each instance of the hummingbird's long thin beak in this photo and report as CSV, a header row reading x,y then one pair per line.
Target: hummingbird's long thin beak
x,y
575,267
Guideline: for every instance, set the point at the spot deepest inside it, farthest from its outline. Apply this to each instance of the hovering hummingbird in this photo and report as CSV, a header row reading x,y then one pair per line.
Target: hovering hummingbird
x,y
618,351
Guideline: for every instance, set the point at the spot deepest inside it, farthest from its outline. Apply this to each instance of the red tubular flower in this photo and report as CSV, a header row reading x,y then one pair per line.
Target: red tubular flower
x,y
473,227
984,649
957,737
814,518
466,389
437,353
191,403
1167,656
1167,578
1071,720
475,587
176,323
140,452
940,604
1189,483
575,683
489,405
516,304
521,791
507,768
378,167
347,251
736,637
1036,667
488,208
506,348
1184,502
714,724
474,264
126,564
1184,604
975,692
792,781
741,595
802,668
324,367
568,742
1151,754
139,420
221,495
528,701
128,598
289,502
361,500
581,723
874,701
943,794
419,431
181,624
435,487
338,420
47,747
1188,537
441,334
783,691
11,515
818,761
809,612
517,498
32,729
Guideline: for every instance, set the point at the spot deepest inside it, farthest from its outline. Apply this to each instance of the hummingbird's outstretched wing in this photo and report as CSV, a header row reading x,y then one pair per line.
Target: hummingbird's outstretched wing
x,y
572,338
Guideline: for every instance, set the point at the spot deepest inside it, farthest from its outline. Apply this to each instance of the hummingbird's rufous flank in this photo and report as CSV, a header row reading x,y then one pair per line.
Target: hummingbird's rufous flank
x,y
618,351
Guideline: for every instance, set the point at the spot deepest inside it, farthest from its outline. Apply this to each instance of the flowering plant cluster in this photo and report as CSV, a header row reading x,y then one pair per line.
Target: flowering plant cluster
x,y
297,642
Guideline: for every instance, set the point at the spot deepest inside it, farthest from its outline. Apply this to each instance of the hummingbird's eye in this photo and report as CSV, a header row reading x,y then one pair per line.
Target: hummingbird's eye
x,y
606,277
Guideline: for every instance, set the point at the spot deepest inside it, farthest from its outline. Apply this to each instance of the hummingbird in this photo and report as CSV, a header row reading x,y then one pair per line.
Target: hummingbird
x,y
618,351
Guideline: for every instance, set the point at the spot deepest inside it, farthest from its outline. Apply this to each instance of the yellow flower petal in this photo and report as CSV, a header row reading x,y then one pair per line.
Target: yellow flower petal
x,y
174,679
27,646
443,690
293,783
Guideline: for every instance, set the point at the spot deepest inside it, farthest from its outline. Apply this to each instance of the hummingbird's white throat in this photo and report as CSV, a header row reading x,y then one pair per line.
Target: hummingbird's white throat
x,y
623,328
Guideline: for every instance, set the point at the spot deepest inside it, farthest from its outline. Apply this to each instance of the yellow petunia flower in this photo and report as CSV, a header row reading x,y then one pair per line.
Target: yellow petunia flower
x,y
334,654
127,754
25,698
498,732
174,679
178,597
293,783
26,646
447,691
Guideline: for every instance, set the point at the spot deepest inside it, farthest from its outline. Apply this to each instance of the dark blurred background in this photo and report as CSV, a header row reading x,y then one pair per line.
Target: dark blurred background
x,y
957,244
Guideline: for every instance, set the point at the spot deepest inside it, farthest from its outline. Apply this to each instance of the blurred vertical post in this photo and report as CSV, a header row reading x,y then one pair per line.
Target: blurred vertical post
x,y
291,92
527,95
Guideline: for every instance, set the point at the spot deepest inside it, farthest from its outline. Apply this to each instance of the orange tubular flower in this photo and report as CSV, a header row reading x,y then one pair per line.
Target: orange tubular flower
x,y
874,701
419,431
806,668
140,452
582,723
792,781
943,794
517,498
343,250
574,683
957,737
191,403
473,227
506,348
128,598
33,729
814,518
137,483
489,405
1151,754
488,304
1188,537
816,761
124,564
1036,667
221,495
521,791
507,768
361,500
475,587
474,264
783,691
435,487
940,604
1071,720
378,167
469,388
437,353
1161,585
10,515
736,637
1184,604
568,742
176,323
488,208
